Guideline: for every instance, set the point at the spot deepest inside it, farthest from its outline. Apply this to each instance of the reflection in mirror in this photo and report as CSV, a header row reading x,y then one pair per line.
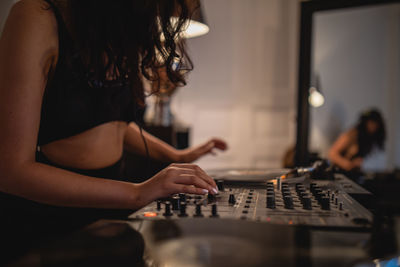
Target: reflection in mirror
x,y
356,57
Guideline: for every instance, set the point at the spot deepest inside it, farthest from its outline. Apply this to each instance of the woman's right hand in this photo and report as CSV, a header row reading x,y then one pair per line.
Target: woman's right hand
x,y
176,178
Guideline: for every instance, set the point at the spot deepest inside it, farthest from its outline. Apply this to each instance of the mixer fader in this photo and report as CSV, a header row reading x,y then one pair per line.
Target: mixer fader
x,y
311,203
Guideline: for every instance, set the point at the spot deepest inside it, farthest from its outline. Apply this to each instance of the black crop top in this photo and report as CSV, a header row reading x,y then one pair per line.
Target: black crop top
x,y
72,102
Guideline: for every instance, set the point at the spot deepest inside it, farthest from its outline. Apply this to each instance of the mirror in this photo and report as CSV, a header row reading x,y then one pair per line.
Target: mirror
x,y
355,65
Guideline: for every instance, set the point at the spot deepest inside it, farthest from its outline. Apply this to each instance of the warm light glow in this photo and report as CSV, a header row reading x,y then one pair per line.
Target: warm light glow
x,y
316,99
195,29
191,28
150,214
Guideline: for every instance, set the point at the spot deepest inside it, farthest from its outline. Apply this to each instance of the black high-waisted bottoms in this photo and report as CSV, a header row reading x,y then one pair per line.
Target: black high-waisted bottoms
x,y
25,224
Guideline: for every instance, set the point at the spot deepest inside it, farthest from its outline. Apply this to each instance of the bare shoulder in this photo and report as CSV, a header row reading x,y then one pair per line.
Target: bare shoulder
x,y
352,134
37,8
30,33
34,15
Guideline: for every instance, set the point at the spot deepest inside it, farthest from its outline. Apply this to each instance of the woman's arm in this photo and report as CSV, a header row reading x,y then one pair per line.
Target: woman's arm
x,y
336,152
162,151
28,47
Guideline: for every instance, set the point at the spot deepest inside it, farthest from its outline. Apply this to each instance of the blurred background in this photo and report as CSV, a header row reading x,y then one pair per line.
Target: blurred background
x,y
244,87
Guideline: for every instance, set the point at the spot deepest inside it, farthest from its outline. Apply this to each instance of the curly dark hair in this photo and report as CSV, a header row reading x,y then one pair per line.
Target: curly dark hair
x,y
366,140
132,38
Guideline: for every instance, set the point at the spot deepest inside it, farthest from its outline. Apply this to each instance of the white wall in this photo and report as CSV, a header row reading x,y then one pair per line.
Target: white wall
x,y
356,54
243,87
5,6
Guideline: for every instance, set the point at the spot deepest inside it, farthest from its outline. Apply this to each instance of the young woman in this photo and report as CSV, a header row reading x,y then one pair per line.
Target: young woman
x,y
70,84
353,146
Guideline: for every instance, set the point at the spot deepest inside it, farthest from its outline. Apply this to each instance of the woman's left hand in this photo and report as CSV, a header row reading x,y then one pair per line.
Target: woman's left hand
x,y
191,154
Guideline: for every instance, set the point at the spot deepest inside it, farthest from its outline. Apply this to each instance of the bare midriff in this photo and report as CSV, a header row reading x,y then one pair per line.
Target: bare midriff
x,y
95,148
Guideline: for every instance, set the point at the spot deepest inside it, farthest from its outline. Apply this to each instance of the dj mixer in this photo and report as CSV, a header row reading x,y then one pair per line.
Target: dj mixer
x,y
307,202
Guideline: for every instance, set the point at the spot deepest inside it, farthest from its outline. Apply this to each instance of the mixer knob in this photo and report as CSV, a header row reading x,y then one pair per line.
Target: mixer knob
x,y
288,202
285,188
158,204
220,185
319,197
210,198
183,210
313,186
333,197
325,204
270,184
307,205
316,191
340,206
271,202
270,192
302,195
232,199
317,194
300,189
286,192
167,212
175,202
182,197
214,212
198,210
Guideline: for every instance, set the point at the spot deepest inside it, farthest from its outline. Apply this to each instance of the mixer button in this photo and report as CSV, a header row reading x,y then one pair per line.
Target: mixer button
x,y
325,204
245,212
248,201
232,199
307,205
167,212
246,206
288,202
158,204
271,202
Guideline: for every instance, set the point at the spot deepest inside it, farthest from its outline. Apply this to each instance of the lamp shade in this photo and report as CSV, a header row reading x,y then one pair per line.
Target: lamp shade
x,y
197,25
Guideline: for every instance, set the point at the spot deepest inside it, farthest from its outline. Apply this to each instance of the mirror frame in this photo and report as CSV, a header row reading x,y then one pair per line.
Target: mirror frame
x,y
308,8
